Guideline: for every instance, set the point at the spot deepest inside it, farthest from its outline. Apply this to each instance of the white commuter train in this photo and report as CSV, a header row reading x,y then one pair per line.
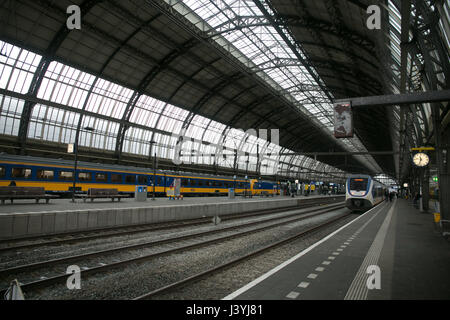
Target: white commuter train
x,y
362,192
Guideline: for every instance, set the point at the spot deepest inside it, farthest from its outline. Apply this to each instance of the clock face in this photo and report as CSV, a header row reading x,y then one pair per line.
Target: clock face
x,y
421,159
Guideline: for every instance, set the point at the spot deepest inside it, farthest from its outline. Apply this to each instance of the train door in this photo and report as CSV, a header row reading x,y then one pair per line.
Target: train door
x,y
164,183
253,186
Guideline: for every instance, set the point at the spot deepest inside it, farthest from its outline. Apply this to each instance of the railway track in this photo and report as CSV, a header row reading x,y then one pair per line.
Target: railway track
x,y
65,238
244,258
97,266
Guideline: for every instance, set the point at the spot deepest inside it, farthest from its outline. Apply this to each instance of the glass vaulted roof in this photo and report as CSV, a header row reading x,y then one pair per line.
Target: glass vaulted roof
x,y
66,94
240,27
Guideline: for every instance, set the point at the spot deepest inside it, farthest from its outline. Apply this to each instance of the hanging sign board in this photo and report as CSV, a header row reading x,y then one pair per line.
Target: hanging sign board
x,y
343,120
70,148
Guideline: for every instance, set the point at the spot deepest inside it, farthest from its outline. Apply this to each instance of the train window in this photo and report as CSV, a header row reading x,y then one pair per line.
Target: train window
x,y
130,179
23,173
142,179
66,175
45,174
200,183
101,177
84,176
358,184
183,182
116,178
2,172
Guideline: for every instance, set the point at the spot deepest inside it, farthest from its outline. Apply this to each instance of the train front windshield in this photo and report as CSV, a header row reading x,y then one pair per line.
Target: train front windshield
x,y
358,184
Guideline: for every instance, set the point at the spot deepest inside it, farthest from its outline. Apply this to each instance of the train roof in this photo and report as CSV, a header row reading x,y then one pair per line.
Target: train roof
x,y
103,166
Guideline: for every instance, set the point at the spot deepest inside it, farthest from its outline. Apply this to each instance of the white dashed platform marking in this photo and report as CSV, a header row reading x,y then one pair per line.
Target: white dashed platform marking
x,y
303,284
320,269
293,295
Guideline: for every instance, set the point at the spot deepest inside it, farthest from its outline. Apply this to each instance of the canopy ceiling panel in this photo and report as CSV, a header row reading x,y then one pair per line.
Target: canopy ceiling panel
x,y
133,44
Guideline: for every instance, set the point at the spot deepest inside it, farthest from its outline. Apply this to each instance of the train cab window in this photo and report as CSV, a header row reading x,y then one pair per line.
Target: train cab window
x,y
84,176
142,180
130,179
116,178
2,172
101,177
45,174
22,173
66,175
358,184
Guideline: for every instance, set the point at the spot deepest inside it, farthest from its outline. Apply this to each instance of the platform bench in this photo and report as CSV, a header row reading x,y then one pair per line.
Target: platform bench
x,y
11,193
98,193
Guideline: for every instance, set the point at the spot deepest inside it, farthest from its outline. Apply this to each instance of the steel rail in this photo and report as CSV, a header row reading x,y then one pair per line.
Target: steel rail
x,y
244,258
48,263
103,233
63,277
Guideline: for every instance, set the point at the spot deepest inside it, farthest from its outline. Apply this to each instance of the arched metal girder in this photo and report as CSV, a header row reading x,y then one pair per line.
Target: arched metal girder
x,y
233,121
99,74
143,85
243,112
264,118
428,35
249,109
294,46
344,69
318,37
36,82
186,80
338,23
231,124
353,55
208,95
245,22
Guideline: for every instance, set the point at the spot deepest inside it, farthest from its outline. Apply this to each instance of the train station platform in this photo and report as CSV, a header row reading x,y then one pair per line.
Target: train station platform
x,y
412,258
25,218
29,206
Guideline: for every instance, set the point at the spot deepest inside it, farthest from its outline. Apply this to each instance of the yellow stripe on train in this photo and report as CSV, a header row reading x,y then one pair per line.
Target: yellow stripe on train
x,y
64,187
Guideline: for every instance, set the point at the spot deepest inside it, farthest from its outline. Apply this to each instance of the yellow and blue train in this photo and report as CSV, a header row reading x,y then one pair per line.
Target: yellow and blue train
x,y
56,176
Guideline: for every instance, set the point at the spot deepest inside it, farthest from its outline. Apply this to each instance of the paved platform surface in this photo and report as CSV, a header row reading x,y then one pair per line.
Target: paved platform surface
x,y
413,260
29,206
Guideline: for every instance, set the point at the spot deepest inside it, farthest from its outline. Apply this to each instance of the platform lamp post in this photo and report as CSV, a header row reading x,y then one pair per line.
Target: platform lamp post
x,y
73,148
246,174
154,167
